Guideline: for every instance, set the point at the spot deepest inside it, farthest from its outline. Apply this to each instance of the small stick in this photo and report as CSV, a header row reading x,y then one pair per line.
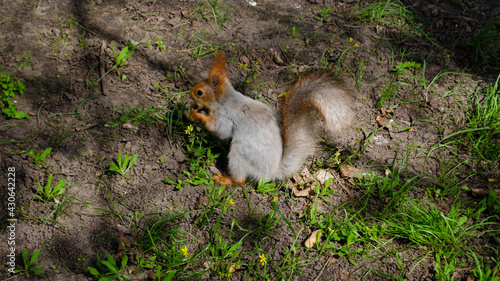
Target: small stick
x,y
322,269
102,70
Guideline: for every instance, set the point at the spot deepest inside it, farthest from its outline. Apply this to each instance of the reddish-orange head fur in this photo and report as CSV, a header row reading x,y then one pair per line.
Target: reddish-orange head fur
x,y
213,88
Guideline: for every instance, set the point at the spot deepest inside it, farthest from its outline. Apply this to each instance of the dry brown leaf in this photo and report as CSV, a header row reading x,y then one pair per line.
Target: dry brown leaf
x,y
301,193
233,268
124,241
347,171
302,183
384,122
323,176
313,239
482,192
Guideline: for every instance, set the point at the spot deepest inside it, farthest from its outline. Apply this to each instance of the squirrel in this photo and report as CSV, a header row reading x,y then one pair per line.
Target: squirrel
x,y
266,145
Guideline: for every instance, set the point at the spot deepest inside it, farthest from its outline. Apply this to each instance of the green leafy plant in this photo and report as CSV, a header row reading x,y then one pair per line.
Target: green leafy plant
x,y
48,192
9,88
39,158
294,32
266,187
108,270
160,45
121,57
29,269
143,262
323,13
123,165
168,276
200,157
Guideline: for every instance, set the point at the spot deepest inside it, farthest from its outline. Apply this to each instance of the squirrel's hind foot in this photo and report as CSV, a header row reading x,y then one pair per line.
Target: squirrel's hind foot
x,y
218,178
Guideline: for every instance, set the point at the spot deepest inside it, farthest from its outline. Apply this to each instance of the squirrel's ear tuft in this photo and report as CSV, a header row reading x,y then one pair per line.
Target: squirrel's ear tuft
x,y
218,72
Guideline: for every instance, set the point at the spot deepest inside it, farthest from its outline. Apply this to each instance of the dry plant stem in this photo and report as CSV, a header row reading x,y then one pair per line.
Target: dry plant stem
x,y
322,269
341,184
102,70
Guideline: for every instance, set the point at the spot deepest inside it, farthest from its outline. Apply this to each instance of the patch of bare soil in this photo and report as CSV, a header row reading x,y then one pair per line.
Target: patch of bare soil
x,y
60,49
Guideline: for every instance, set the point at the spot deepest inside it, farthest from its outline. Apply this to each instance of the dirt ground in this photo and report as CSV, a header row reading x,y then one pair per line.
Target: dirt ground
x,y
55,49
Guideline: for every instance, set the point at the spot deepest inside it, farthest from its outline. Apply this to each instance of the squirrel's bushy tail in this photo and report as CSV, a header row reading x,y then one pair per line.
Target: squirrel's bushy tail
x,y
314,102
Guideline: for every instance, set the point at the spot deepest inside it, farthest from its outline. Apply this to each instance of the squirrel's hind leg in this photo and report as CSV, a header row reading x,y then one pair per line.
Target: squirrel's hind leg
x,y
218,178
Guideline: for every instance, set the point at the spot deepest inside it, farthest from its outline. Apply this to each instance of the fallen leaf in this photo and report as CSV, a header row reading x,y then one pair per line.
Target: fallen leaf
x,y
301,193
302,183
348,171
130,127
124,241
233,268
323,176
482,192
244,59
313,239
384,122
277,58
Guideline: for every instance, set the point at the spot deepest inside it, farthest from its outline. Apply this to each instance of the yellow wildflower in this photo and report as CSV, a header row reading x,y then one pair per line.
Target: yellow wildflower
x,y
230,202
356,45
184,251
263,259
189,129
350,39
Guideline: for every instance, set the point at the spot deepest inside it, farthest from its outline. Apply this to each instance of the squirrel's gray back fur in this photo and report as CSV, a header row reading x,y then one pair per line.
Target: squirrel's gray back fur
x,y
254,127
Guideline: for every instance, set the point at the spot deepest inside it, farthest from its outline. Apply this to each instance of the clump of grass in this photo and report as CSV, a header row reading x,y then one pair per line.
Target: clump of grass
x,y
390,88
483,126
386,12
213,9
202,47
485,45
171,246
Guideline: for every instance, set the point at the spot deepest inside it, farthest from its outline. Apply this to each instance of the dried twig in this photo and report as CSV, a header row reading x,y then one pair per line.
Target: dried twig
x,y
102,70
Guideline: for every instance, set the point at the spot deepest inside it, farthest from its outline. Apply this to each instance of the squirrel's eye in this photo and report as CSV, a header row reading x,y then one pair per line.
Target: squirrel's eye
x,y
199,93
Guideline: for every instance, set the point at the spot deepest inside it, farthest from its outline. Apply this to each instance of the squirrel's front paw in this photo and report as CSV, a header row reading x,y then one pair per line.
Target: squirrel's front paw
x,y
196,115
